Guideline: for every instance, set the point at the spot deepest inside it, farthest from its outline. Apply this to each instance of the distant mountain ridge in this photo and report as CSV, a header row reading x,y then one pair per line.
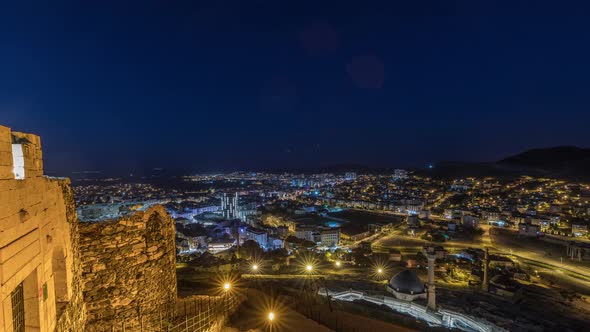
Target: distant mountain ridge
x,y
559,156
566,162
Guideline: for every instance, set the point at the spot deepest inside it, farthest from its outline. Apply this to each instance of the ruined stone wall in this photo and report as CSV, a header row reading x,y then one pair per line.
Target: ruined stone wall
x,y
128,270
70,272
73,317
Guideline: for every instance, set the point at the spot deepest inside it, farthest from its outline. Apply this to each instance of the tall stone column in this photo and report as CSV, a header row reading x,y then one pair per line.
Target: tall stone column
x,y
430,285
486,263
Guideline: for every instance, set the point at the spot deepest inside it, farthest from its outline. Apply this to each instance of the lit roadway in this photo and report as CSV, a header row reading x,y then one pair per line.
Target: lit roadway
x,y
580,273
550,263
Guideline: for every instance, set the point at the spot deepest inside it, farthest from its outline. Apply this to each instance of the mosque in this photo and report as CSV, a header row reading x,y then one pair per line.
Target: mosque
x,y
408,287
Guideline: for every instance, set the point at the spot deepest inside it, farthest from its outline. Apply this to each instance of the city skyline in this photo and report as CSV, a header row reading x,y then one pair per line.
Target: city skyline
x,y
265,85
263,165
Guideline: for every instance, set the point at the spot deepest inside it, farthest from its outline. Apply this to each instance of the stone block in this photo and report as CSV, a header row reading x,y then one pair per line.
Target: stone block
x,y
6,158
15,263
5,136
6,147
6,173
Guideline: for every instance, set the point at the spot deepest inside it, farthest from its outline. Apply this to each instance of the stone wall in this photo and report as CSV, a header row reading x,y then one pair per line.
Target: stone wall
x,y
128,270
73,316
37,249
76,276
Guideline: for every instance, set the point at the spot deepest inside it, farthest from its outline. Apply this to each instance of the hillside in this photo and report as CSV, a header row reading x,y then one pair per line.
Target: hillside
x,y
567,162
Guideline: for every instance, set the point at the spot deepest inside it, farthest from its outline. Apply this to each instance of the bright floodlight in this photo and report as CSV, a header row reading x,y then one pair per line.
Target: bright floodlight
x,y
338,264
380,270
309,268
254,267
271,316
226,286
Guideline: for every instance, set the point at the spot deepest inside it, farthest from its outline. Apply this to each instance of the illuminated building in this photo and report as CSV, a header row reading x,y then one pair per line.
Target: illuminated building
x,y
305,233
579,230
258,236
400,174
330,237
229,206
217,246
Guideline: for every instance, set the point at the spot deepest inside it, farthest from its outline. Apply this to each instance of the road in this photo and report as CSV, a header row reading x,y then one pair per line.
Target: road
x,y
525,255
538,259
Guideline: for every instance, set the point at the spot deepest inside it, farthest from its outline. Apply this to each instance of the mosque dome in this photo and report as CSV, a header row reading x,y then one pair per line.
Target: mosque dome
x,y
407,282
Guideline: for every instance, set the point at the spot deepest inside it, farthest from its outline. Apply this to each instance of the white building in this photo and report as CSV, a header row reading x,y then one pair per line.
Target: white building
x,y
229,206
400,174
304,233
256,235
350,176
330,237
218,246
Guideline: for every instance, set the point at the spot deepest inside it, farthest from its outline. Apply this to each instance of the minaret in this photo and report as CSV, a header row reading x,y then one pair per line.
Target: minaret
x,y
430,285
486,262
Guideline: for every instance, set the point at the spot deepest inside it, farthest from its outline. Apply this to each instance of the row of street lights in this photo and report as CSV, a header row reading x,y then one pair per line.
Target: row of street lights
x,y
271,316
309,268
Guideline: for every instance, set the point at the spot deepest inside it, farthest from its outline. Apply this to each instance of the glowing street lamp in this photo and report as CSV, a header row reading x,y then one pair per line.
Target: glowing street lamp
x,y
309,268
380,271
226,286
271,319
254,267
338,264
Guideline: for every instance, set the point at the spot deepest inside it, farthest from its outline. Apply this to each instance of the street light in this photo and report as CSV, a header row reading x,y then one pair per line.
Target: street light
x,y
309,268
271,318
338,264
254,267
226,289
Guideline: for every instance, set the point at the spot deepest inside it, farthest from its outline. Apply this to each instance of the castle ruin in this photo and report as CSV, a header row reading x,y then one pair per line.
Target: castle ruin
x,y
58,274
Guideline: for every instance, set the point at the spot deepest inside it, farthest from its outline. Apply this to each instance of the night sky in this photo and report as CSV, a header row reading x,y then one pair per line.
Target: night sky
x,y
223,85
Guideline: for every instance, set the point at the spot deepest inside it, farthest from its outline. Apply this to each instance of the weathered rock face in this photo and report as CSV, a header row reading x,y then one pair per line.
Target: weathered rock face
x,y
128,269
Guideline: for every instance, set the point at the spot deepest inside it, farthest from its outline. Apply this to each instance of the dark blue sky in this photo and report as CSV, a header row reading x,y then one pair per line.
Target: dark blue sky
x,y
219,85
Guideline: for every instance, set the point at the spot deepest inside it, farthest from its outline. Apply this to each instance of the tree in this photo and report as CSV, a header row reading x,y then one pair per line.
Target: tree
x,y
251,250
301,242
360,259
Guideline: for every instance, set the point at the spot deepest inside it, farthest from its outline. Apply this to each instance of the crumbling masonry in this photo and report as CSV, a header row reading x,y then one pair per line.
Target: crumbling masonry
x,y
58,274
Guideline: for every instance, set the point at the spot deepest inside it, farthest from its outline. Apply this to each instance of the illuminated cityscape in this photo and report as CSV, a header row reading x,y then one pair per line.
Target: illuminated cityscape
x,y
176,166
